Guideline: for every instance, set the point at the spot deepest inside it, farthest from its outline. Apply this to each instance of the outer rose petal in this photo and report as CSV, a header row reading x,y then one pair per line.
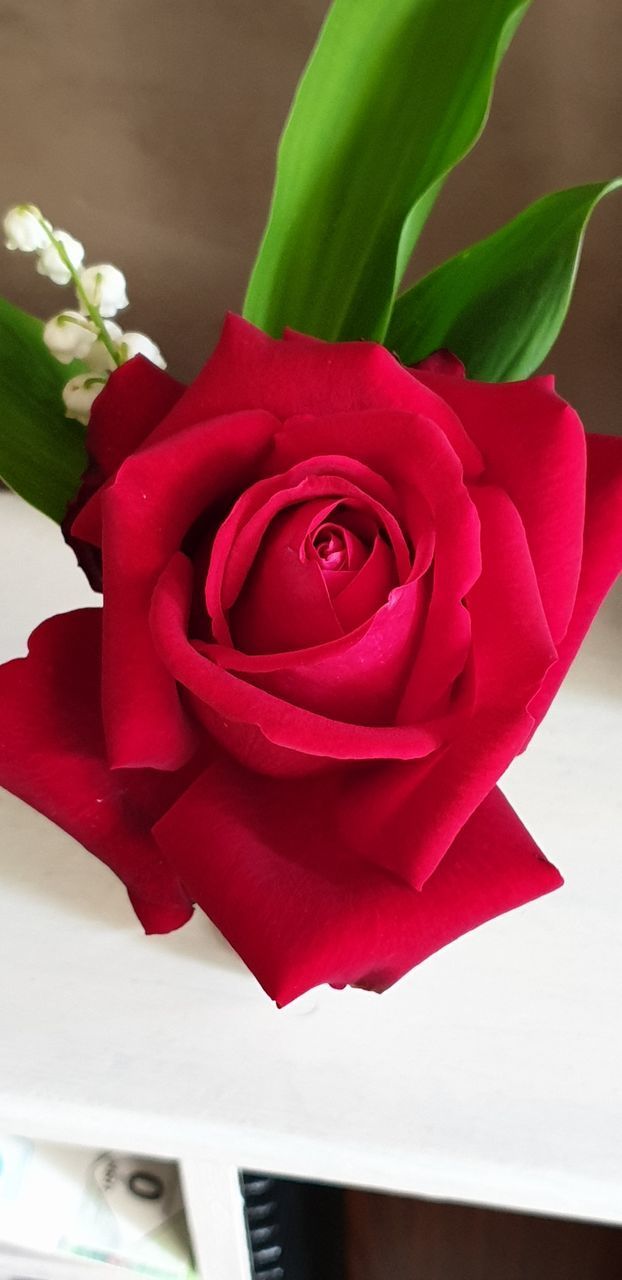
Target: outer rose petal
x,y
155,497
88,554
263,860
511,651
602,557
135,399
249,370
52,755
441,361
533,445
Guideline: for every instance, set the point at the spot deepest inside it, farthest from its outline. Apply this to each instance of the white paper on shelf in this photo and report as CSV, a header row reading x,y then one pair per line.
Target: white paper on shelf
x,y
105,1206
18,1264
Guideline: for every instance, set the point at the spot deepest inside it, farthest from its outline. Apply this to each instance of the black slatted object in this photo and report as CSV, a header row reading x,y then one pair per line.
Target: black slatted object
x,y
295,1229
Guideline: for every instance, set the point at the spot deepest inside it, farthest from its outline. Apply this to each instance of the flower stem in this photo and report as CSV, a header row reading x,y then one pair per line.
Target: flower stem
x,y
90,309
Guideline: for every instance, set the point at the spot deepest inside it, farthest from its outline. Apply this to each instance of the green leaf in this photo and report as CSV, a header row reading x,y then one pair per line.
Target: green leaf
x,y
42,454
394,95
500,305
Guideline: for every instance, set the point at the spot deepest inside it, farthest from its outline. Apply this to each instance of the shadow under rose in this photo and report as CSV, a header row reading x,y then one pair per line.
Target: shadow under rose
x,y
597,670
44,868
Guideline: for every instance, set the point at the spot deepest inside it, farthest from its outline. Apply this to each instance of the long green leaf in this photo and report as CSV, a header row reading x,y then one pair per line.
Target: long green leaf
x,y
500,305
42,453
395,93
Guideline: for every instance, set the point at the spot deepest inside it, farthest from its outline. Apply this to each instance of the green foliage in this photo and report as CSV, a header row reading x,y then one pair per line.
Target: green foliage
x,y
394,95
500,305
42,453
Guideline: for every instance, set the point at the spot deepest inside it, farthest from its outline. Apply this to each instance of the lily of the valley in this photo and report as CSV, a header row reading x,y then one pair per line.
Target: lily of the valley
x,y
88,333
79,394
104,287
24,228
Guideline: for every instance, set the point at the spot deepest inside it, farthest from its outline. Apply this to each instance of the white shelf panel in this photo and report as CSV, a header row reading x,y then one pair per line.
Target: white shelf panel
x,y
491,1074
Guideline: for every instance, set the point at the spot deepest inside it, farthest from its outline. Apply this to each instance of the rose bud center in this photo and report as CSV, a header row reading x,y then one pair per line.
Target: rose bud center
x,y
332,548
322,568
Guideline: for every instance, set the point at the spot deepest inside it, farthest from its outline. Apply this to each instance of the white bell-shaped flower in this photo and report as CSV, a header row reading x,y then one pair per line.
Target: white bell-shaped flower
x,y
23,229
79,394
138,344
99,358
104,286
69,336
51,263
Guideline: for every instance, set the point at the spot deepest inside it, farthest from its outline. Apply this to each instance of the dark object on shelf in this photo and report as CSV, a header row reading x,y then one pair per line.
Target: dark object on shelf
x,y
398,1238
295,1229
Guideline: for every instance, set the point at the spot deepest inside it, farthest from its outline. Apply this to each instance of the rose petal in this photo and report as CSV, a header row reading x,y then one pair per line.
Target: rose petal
x,y
602,557
284,603
356,594
415,459
263,860
442,361
533,444
155,497
88,554
409,452
239,537
297,374
357,678
236,709
52,755
337,547
511,651
136,397
512,647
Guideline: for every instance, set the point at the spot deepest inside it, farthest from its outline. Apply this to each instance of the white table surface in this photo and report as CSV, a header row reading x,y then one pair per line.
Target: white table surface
x,y
491,1074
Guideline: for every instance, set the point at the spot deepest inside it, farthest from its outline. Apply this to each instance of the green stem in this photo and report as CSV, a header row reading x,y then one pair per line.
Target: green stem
x,y
90,309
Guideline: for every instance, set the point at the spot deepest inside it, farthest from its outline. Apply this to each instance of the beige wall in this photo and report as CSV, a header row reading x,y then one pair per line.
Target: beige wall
x,y
148,129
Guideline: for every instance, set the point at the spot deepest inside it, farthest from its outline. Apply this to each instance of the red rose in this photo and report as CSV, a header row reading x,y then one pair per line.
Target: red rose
x,y
338,595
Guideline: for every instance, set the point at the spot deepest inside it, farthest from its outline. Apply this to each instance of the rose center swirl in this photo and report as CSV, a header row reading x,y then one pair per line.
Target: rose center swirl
x,y
303,565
